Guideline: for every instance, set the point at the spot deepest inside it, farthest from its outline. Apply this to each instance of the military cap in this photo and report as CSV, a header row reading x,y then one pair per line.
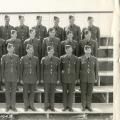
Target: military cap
x,y
55,17
68,46
6,16
71,16
49,48
20,16
31,30
68,32
38,17
29,46
89,17
13,31
51,29
9,45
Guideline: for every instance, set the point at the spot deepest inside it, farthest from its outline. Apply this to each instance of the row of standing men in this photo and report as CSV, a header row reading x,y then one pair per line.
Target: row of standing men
x,y
66,70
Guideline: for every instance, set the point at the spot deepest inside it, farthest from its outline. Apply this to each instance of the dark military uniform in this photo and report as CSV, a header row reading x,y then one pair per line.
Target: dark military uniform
x,y
17,46
55,42
94,47
22,34
10,73
5,32
88,73
41,32
59,32
74,45
76,32
36,45
95,33
50,74
29,75
69,75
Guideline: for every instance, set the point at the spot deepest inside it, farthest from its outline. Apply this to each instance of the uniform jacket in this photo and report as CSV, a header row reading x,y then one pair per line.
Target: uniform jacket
x,y
95,33
22,32
50,69
5,32
69,69
17,44
94,47
74,45
36,45
55,42
76,32
10,67
41,32
88,69
59,32
29,69
2,47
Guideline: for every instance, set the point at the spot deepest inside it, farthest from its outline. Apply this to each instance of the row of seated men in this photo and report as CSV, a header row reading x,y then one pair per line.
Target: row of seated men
x,y
23,32
65,70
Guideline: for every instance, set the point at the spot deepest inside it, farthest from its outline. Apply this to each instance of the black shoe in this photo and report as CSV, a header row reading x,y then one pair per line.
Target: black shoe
x,y
89,109
33,108
70,109
52,109
14,109
64,109
7,109
26,109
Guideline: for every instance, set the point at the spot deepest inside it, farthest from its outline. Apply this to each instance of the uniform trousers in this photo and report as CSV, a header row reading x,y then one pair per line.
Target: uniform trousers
x,y
86,94
10,94
49,95
68,93
29,92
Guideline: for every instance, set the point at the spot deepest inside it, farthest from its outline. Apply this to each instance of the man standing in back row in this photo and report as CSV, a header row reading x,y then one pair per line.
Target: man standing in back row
x,y
74,28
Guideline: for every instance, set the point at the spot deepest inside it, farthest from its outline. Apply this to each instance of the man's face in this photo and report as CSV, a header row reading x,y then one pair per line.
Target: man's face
x,y
22,20
90,22
32,34
72,20
7,20
52,33
14,35
87,51
88,35
10,50
30,51
51,52
69,51
56,21
70,35
39,21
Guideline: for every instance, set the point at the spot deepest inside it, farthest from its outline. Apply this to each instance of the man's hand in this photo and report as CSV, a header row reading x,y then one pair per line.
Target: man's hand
x,y
96,81
38,82
58,82
3,80
41,81
21,82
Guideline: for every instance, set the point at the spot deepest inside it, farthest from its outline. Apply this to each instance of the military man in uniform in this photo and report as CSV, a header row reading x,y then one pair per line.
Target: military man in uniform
x,y
88,39
58,29
10,76
22,32
41,31
95,31
50,76
74,28
69,69
70,41
5,31
88,74
16,43
35,42
29,76
51,41
2,52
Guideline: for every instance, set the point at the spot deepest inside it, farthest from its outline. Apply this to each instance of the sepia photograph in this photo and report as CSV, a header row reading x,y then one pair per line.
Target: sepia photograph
x,y
59,60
